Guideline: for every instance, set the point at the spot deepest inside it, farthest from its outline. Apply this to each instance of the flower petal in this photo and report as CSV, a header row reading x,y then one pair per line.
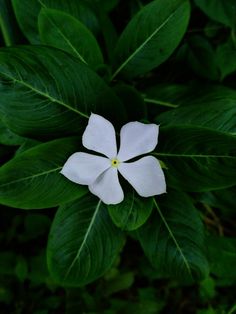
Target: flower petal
x,y
107,187
100,136
84,168
136,139
145,175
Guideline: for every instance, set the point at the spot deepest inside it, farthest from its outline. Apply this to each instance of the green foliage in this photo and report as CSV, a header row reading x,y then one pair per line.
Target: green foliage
x,y
83,243
132,212
147,41
219,10
58,29
173,239
37,182
49,102
169,62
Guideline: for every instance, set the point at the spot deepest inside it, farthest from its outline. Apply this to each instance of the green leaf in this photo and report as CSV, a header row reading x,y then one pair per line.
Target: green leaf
x,y
27,15
219,10
65,32
83,242
173,238
9,138
49,94
214,108
198,159
202,58
226,58
223,264
7,23
222,199
132,212
151,37
32,180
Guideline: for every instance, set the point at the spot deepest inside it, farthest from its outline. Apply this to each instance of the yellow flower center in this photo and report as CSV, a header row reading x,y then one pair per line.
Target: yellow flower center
x,y
115,162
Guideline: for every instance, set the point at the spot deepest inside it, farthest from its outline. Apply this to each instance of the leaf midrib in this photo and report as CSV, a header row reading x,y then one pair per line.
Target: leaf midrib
x,y
31,177
174,239
68,42
84,239
142,45
41,93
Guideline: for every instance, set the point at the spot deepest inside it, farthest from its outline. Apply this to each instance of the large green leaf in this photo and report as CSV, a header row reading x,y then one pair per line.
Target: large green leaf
x,y
219,10
151,36
213,108
83,242
197,158
32,179
48,94
27,15
173,238
132,212
58,29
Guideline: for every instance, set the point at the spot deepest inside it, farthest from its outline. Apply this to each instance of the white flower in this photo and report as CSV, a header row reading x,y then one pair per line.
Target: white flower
x,y
101,173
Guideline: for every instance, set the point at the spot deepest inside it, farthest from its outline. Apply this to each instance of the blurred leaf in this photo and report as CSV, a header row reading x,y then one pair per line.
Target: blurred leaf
x,y
132,212
151,37
50,94
58,29
222,199
226,58
7,262
202,58
83,242
207,289
7,23
219,10
197,158
21,268
32,179
36,225
222,256
173,239
121,282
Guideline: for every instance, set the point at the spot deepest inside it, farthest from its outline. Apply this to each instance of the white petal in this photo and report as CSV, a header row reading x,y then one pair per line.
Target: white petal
x,y
136,139
100,136
84,168
145,175
107,187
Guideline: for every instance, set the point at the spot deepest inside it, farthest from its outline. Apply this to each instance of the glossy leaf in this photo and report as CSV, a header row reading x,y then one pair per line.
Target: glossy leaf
x,y
151,37
32,180
219,10
65,32
173,238
83,242
132,212
49,94
197,158
213,108
27,15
